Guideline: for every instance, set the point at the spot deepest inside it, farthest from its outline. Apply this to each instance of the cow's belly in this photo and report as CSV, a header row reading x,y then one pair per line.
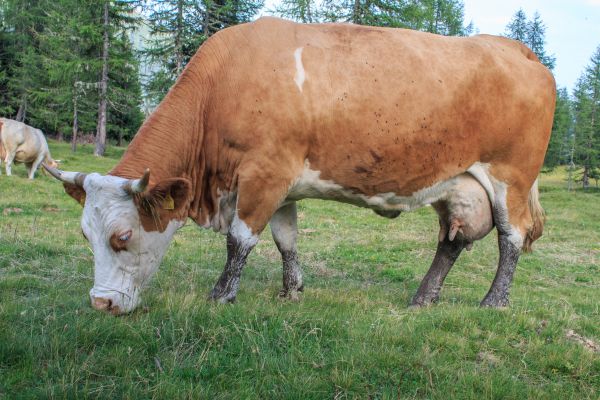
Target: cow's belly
x,y
24,157
309,185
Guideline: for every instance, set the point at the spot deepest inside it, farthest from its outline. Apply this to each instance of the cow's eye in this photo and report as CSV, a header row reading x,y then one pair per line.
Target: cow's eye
x,y
119,240
125,236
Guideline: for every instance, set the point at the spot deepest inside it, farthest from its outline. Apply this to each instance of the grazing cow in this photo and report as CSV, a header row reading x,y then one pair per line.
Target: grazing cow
x,y
272,112
20,143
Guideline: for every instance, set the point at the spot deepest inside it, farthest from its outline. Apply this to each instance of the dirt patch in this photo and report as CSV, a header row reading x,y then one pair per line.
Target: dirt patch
x,y
487,358
320,269
585,342
13,210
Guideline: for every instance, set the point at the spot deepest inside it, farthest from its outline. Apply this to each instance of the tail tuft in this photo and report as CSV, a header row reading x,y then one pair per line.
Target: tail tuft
x,y
537,215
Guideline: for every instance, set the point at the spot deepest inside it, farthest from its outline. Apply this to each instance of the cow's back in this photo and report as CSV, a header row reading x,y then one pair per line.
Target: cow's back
x,y
27,142
379,110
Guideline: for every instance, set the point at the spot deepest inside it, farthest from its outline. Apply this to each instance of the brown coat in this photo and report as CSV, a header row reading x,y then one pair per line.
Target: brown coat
x,y
377,111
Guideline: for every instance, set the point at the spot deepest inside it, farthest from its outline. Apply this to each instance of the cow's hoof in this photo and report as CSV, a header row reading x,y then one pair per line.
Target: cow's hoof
x,y
423,301
291,294
494,302
221,298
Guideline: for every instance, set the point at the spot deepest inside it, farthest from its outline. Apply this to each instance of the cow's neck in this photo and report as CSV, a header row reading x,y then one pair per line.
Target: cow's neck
x,y
169,139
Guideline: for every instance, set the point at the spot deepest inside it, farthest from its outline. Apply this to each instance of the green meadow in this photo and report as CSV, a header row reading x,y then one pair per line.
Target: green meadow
x,y
350,336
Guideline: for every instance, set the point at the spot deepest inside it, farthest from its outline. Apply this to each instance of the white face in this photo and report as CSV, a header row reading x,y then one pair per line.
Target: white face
x,y
125,255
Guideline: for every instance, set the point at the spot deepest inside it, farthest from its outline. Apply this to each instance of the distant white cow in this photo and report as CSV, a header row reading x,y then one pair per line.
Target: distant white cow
x,y
23,144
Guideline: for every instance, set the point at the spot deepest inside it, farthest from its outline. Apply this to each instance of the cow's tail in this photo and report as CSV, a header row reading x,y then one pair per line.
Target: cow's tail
x,y
537,215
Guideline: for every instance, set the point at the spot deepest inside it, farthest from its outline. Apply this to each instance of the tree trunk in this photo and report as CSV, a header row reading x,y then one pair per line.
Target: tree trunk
x,y
590,144
75,123
101,126
178,38
356,12
22,112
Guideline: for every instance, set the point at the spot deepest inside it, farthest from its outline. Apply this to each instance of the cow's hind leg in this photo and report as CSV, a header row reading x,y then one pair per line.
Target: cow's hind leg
x,y
510,251
285,231
445,256
513,221
34,166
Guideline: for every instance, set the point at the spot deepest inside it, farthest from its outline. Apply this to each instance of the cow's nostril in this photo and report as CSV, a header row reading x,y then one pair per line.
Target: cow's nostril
x,y
101,304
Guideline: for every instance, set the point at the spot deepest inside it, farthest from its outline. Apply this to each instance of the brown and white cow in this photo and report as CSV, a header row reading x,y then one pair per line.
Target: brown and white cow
x,y
272,112
21,143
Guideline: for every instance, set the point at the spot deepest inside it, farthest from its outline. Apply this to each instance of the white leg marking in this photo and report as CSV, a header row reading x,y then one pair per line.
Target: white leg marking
x,y
242,233
300,74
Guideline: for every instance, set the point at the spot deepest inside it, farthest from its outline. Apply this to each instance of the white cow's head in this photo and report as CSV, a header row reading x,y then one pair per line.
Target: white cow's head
x,y
129,225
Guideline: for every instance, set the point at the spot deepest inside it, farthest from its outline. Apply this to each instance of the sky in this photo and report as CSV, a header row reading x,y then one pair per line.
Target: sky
x,y
572,29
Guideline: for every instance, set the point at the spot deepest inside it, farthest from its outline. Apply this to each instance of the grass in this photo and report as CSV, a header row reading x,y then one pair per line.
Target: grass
x,y
351,335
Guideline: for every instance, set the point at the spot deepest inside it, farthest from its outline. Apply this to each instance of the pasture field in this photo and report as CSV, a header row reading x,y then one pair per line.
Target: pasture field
x,y
350,336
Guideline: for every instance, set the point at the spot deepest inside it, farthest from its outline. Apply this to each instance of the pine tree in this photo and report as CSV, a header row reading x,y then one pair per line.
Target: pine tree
x,y
22,24
305,11
52,50
117,15
518,27
125,93
367,12
445,17
179,27
587,121
558,148
532,33
536,40
176,31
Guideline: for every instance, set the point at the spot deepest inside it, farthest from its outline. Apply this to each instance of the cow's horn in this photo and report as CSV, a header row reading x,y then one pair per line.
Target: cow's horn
x,y
138,185
74,178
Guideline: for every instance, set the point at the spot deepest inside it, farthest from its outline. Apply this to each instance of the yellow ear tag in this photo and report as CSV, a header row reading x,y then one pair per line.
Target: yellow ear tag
x,y
168,203
82,200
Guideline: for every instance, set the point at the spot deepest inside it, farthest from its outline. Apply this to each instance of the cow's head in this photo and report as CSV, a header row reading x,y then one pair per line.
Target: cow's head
x,y
129,225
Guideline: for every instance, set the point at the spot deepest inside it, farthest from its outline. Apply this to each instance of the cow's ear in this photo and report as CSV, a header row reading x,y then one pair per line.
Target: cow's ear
x,y
167,200
75,192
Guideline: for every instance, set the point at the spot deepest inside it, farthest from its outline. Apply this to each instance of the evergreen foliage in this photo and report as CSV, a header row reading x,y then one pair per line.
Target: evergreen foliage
x,y
179,27
51,64
532,33
559,148
445,17
586,98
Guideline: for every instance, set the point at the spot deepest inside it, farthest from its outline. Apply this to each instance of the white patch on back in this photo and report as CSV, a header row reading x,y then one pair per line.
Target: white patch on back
x,y
300,74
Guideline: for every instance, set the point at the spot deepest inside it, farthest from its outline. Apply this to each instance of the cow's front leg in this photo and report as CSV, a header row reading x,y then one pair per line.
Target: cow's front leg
x,y
10,157
240,243
285,231
445,256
